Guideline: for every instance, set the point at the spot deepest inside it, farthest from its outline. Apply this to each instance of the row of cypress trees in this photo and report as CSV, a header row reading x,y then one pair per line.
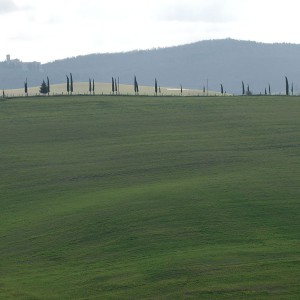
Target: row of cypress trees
x,y
248,92
45,87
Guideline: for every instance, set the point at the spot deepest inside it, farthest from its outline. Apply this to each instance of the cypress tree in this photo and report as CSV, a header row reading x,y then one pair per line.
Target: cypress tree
x,y
93,86
222,89
68,84
112,85
26,87
181,89
134,83
155,87
90,86
269,89
48,85
116,86
71,83
292,89
136,86
243,88
286,86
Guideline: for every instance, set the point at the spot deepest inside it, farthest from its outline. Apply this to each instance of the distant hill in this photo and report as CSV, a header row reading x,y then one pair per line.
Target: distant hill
x,y
226,62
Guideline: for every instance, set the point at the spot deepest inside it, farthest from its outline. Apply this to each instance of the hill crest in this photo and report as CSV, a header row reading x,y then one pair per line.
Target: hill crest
x,y
225,61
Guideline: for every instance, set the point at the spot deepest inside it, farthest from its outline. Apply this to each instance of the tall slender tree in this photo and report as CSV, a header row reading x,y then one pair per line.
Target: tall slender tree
x,y
181,89
287,92
243,88
90,86
292,89
155,86
71,83
112,85
222,89
269,89
68,84
93,86
136,86
48,85
116,86
26,87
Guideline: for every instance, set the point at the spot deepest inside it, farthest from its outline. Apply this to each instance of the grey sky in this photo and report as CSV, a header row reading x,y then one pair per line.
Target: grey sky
x,y
45,30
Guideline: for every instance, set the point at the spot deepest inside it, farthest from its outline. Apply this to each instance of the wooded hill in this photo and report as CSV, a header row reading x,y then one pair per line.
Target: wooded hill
x,y
227,62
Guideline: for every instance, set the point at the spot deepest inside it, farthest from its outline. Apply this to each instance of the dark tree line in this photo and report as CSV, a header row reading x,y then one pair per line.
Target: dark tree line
x,y
249,93
45,87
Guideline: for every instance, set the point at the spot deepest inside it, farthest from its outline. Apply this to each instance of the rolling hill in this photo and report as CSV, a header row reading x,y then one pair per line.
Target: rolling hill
x,y
227,62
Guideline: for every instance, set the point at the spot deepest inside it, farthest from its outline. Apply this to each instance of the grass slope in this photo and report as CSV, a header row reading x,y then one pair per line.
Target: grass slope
x,y
150,198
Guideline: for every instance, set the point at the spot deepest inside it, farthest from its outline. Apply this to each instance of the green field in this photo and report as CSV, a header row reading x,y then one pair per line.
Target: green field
x,y
150,198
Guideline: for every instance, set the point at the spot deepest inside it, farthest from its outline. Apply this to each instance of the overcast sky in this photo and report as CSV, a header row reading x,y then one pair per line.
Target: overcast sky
x,y
45,30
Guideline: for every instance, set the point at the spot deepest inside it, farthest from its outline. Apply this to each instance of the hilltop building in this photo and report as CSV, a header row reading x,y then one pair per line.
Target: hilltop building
x,y
24,66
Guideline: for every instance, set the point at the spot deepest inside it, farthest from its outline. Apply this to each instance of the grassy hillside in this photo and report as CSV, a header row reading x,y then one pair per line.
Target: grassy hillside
x,y
150,198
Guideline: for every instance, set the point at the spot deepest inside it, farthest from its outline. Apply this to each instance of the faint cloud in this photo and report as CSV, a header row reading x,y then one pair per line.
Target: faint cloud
x,y
23,37
214,11
9,6
54,20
